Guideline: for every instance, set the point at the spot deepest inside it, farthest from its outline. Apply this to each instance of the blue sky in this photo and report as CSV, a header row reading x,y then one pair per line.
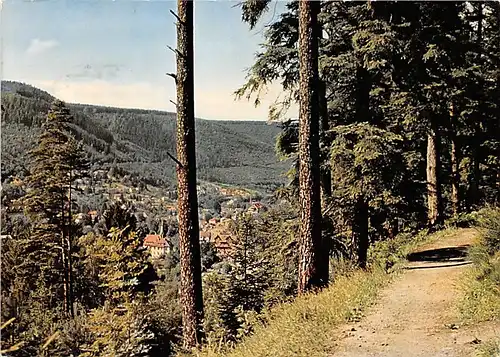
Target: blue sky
x,y
115,53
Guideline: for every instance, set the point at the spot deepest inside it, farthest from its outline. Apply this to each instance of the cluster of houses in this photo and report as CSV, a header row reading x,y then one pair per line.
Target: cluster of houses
x,y
215,230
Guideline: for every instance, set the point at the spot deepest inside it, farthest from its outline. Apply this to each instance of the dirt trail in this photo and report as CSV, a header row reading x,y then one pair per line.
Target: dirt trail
x,y
414,316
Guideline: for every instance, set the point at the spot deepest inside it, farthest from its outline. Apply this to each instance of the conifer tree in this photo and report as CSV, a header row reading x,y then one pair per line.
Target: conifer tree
x,y
354,70
249,273
311,271
57,161
189,243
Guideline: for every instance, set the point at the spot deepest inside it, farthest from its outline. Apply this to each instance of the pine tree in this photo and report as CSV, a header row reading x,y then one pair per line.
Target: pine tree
x,y
189,244
57,161
454,161
118,327
249,272
489,56
311,271
399,67
433,43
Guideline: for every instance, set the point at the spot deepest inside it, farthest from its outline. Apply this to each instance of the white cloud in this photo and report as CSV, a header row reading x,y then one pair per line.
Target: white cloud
x,y
213,104
38,46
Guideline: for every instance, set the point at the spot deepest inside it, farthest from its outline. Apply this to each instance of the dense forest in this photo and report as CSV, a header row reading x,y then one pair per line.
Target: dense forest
x,y
398,132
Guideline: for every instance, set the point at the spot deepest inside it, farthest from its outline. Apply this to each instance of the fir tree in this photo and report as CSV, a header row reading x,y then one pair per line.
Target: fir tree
x,y
57,161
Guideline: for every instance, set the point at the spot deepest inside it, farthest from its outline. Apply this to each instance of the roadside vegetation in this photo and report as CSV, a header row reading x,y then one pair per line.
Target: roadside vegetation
x,y
481,301
304,327
489,349
481,284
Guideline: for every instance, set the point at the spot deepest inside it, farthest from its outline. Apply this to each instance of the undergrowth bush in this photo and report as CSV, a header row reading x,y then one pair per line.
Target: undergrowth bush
x,y
463,220
489,223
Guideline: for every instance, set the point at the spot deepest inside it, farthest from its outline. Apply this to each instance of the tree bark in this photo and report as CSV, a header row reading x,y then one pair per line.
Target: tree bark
x,y
497,102
189,244
455,195
361,228
434,214
311,269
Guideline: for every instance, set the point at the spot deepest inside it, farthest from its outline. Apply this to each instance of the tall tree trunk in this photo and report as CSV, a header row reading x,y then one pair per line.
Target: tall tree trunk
x,y
361,227
434,214
189,243
455,198
311,269
473,193
455,195
497,102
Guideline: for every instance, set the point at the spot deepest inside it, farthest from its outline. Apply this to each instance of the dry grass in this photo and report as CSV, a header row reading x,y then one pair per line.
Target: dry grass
x,y
481,293
489,349
304,327
481,285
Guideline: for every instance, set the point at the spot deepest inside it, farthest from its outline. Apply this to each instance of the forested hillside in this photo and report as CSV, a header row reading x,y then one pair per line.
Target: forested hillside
x,y
138,140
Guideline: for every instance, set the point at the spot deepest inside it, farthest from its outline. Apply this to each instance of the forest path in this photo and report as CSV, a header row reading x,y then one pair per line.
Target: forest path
x,y
414,316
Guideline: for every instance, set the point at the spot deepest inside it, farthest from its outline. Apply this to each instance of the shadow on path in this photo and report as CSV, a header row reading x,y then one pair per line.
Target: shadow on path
x,y
457,254
439,266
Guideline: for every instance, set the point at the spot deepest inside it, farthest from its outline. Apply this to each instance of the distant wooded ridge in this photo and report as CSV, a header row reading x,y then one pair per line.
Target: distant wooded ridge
x,y
137,140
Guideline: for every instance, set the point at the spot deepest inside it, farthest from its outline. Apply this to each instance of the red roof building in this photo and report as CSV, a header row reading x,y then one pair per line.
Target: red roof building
x,y
156,244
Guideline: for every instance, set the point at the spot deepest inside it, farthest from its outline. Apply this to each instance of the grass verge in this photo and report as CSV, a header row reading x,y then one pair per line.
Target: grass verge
x,y
481,293
481,284
391,254
489,349
304,327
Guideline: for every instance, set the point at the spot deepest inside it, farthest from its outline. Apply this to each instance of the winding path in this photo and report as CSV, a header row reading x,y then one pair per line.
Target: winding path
x,y
415,315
